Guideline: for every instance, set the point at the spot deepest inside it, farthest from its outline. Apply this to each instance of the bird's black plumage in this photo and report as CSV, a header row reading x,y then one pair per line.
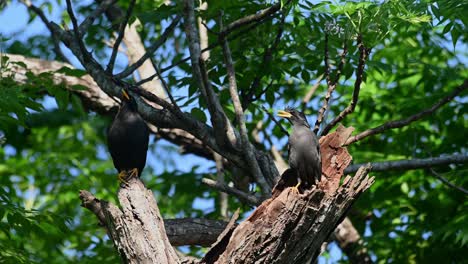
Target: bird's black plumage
x,y
304,149
127,138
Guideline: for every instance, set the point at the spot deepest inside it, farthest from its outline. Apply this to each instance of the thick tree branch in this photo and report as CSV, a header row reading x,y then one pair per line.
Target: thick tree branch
x,y
247,147
137,229
413,164
224,132
181,232
409,120
363,56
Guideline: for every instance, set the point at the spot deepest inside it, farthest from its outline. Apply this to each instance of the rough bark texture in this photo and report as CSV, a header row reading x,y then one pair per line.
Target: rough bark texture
x,y
137,229
291,227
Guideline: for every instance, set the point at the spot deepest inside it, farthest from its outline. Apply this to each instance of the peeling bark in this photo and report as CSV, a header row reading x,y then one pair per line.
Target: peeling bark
x,y
291,227
137,229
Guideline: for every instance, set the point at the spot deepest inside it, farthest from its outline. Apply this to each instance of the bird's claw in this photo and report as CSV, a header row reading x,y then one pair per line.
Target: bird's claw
x,y
133,173
295,189
123,177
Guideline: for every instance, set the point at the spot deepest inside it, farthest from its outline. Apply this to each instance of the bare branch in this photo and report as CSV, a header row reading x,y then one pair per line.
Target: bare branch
x,y
223,198
41,15
77,34
447,182
407,121
311,92
214,45
246,145
224,132
350,242
331,84
164,84
262,14
252,95
363,56
103,6
277,123
123,25
250,199
149,53
412,164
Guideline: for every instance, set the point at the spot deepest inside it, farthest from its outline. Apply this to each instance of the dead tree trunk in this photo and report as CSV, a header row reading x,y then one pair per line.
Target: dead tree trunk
x,y
287,228
137,229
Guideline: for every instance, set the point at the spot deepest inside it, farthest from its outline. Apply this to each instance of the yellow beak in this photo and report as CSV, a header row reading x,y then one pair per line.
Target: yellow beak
x,y
285,114
125,94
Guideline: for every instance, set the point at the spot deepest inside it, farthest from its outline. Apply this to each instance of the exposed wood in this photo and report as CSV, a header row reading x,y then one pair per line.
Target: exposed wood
x,y
137,229
291,227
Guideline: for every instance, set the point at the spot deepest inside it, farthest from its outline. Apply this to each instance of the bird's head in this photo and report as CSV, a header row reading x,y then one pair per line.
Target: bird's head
x,y
294,116
128,100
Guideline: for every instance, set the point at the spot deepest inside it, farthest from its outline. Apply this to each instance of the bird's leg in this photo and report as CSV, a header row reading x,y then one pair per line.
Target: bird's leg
x,y
123,176
296,188
133,173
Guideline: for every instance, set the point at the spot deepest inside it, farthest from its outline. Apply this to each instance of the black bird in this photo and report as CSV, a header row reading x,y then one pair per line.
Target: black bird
x,y
304,149
127,139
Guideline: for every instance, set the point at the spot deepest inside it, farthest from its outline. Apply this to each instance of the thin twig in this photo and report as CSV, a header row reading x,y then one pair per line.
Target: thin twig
x,y
412,164
273,118
447,182
78,38
216,44
407,121
120,36
330,89
259,16
149,53
251,95
250,199
363,56
95,14
246,145
55,39
223,198
331,84
163,82
311,92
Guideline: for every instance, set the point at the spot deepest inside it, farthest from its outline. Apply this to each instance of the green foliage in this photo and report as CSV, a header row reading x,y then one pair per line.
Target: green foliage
x,y
417,58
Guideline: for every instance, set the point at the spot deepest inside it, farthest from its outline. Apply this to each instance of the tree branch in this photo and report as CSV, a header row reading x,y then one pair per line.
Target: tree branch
x,y
123,25
409,120
250,199
413,163
363,56
149,52
331,84
88,21
447,182
137,230
224,132
311,92
246,145
266,60
262,14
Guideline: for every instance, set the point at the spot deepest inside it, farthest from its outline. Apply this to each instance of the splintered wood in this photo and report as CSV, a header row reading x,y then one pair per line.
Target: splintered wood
x,y
291,227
